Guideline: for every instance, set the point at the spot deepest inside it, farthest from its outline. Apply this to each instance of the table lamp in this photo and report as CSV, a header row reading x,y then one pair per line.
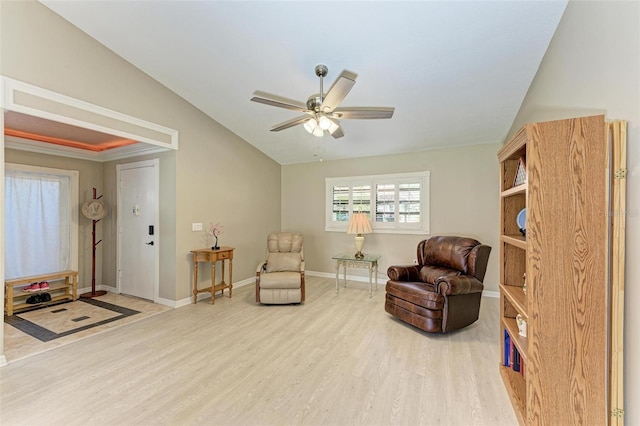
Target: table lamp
x,y
359,224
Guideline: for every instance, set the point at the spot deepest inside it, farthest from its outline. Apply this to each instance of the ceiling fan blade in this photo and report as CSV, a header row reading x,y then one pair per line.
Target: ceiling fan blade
x,y
364,112
338,132
290,123
341,87
278,101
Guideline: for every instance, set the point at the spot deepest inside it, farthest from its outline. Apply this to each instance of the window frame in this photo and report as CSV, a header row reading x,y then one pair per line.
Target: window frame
x,y
395,227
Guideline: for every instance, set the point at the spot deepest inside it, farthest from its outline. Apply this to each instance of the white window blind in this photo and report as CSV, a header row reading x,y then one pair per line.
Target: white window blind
x,y
396,203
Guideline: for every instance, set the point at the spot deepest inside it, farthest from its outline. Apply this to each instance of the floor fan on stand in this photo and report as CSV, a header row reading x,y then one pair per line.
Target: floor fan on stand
x,y
94,209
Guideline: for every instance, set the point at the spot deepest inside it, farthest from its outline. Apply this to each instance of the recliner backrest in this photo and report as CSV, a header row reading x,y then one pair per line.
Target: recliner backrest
x,y
284,252
463,254
284,242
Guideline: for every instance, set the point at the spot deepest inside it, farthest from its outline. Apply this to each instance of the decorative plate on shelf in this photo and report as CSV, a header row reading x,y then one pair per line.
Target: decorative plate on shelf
x,y
521,220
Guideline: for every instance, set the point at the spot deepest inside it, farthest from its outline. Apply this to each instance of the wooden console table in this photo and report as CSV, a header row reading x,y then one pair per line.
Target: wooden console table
x,y
212,256
65,290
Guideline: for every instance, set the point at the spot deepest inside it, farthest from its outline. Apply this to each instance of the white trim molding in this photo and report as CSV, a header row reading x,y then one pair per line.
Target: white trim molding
x,y
32,100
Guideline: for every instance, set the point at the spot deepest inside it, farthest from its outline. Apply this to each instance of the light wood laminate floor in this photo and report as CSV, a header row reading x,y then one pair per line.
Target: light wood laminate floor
x,y
334,360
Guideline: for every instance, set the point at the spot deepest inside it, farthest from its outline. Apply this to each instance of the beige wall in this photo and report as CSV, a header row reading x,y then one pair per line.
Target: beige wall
x,y
593,67
464,201
215,176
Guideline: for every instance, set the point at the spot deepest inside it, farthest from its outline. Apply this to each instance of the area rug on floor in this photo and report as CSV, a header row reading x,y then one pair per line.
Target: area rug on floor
x,y
31,332
54,322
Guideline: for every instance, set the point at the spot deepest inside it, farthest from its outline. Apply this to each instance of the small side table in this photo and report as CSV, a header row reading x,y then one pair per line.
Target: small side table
x,y
348,259
213,256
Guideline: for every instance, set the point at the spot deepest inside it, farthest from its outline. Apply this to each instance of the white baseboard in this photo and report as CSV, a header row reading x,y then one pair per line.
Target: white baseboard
x,y
98,287
249,281
189,300
381,277
485,293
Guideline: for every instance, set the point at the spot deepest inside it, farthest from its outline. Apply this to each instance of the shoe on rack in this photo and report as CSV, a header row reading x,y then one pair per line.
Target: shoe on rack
x,y
35,299
31,288
44,285
45,297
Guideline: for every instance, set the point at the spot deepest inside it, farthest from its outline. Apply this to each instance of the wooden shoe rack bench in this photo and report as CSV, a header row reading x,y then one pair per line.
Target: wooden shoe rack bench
x,y
62,286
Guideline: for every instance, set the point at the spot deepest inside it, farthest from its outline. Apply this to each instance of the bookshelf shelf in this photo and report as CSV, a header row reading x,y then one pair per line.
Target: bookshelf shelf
x,y
520,189
516,297
516,388
515,240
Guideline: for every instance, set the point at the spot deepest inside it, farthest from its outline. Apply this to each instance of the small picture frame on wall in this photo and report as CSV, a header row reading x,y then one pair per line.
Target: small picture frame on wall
x,y
521,172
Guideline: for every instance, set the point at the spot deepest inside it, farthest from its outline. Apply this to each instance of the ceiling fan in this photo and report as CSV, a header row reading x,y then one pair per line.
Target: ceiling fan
x,y
321,112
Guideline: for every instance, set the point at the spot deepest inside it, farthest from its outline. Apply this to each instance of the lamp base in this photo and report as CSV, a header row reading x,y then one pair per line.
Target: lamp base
x,y
359,240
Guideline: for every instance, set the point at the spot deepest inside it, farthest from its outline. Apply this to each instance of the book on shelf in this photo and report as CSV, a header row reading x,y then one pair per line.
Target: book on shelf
x,y
507,349
511,356
516,359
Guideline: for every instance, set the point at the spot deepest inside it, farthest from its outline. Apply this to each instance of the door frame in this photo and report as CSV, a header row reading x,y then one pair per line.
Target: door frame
x,y
155,164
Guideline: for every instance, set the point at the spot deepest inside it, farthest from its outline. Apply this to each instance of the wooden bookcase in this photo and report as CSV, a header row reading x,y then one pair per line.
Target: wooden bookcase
x,y
564,256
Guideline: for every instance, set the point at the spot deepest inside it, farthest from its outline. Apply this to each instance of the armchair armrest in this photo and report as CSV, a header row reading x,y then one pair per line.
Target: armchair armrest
x,y
262,267
458,284
404,273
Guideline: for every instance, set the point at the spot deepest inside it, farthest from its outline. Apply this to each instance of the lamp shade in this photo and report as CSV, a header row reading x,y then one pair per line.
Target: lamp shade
x,y
359,224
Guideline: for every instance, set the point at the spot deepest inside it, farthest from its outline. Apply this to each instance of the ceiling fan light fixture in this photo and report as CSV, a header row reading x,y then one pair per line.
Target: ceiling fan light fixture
x,y
318,132
324,122
333,127
310,125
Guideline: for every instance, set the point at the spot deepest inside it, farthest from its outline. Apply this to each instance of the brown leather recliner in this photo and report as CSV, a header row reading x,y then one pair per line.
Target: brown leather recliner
x,y
442,292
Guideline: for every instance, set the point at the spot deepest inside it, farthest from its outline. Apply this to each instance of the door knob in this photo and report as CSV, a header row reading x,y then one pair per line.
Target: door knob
x,y
150,243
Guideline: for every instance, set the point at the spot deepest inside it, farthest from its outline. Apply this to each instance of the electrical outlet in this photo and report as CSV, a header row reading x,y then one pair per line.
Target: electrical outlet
x,y
196,226
415,261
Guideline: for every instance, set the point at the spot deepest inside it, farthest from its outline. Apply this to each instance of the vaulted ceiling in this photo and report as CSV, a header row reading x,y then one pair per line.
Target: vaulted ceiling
x,y
456,72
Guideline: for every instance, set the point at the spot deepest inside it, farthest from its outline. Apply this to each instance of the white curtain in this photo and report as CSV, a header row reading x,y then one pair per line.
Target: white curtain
x,y
37,223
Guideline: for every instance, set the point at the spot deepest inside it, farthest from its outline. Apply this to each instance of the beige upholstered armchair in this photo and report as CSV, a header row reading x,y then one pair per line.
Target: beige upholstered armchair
x,y
280,278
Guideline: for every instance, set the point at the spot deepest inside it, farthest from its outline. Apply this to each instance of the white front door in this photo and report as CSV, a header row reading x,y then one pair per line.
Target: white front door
x,y
138,216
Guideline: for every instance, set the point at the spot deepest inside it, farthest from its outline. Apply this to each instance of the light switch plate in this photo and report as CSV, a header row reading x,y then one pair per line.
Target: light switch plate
x,y
196,226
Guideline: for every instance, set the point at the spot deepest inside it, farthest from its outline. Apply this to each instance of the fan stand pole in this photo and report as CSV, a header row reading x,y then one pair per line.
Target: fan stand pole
x,y
94,293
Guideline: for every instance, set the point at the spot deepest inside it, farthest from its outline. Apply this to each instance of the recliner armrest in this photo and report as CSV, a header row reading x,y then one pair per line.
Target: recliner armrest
x,y
262,267
404,273
458,284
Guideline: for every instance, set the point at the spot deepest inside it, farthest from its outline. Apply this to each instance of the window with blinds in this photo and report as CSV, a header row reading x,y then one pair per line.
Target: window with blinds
x,y
395,203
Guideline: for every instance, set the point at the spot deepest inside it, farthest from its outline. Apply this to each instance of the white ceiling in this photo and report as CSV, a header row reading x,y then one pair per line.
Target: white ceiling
x,y
456,72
